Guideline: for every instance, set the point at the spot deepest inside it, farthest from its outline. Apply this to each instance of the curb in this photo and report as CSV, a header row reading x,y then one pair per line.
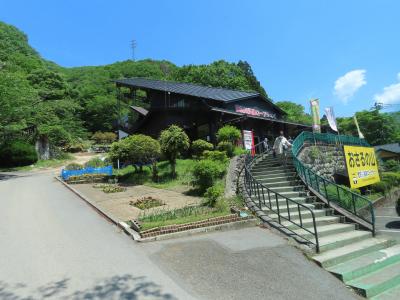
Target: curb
x,y
136,236
119,224
195,231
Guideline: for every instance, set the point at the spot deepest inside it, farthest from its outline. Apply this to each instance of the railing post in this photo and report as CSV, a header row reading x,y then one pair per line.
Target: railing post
x,y
326,191
354,204
277,206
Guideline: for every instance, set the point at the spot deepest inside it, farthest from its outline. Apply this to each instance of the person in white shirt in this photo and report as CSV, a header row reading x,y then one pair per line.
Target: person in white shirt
x,y
265,142
281,145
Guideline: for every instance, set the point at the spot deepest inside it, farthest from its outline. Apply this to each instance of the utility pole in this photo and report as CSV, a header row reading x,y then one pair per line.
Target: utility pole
x,y
133,47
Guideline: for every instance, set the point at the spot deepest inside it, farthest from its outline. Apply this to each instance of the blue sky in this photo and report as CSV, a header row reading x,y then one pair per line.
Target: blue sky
x,y
298,49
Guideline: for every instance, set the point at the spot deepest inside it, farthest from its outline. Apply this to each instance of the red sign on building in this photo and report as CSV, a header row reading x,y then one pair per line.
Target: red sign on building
x,y
254,112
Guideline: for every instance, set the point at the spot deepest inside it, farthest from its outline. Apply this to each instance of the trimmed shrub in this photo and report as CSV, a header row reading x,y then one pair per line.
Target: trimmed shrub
x,y
392,165
228,133
206,172
226,147
391,178
104,137
214,193
73,166
199,146
95,162
215,155
380,187
17,153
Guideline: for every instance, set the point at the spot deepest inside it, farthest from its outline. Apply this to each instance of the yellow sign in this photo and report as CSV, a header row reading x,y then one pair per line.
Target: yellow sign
x,y
362,166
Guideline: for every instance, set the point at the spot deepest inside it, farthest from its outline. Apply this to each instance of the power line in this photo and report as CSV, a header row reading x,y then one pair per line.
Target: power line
x,y
133,47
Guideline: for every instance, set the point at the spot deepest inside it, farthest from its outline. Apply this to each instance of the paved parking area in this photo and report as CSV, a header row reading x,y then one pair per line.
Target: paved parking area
x,y
387,221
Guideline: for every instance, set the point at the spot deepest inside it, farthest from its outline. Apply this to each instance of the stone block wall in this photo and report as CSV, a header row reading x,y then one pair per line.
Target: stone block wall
x,y
325,160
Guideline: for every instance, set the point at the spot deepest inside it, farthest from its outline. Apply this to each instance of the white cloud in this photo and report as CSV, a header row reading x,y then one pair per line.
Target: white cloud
x,y
349,83
390,94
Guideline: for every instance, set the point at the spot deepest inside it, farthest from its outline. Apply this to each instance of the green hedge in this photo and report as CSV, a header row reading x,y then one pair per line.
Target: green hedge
x,y
17,153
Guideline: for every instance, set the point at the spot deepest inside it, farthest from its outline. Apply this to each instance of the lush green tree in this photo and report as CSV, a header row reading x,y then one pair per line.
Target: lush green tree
x,y
199,146
173,141
378,128
228,133
295,112
138,149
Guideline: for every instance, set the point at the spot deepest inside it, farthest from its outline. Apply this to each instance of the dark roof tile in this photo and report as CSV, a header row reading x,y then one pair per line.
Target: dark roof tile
x,y
219,94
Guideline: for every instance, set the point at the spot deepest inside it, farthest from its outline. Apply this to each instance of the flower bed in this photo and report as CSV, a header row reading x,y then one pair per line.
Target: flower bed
x,y
86,178
193,225
146,202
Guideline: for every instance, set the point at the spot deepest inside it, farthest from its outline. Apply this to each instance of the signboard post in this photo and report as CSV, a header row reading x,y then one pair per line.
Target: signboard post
x,y
248,140
362,166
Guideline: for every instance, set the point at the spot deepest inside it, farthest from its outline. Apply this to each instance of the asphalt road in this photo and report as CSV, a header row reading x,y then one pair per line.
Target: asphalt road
x,y
54,246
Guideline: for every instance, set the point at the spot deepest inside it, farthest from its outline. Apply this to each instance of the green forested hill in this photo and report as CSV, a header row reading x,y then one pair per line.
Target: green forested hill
x,y
69,103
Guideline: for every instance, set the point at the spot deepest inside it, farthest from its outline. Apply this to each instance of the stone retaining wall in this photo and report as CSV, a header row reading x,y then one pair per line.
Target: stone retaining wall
x,y
325,160
235,168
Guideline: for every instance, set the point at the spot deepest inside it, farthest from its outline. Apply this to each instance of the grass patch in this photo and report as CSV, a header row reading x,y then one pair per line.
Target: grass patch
x,y
42,164
179,216
129,175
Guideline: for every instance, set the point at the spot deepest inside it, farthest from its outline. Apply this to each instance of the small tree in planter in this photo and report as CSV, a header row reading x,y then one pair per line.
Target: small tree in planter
x,y
139,149
228,133
199,146
173,141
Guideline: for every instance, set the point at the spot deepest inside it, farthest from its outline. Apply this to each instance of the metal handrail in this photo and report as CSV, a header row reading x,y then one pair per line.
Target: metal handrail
x,y
256,188
352,202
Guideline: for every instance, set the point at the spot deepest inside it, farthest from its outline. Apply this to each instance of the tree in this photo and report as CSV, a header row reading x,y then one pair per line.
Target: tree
x,y
295,112
228,133
138,149
173,141
199,146
378,128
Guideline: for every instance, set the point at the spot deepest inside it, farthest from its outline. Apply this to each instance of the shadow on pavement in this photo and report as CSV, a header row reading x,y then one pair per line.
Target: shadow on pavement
x,y
393,225
116,287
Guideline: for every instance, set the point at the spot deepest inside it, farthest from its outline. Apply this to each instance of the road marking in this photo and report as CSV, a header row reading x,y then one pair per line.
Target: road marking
x,y
396,231
392,217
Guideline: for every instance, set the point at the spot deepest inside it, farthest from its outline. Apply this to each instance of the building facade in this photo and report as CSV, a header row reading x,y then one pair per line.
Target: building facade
x,y
200,110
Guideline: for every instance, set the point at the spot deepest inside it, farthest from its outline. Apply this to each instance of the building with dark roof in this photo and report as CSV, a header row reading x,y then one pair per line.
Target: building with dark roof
x,y
388,151
200,110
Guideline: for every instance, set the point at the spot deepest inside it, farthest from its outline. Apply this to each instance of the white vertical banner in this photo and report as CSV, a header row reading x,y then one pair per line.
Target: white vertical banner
x,y
330,115
360,135
247,139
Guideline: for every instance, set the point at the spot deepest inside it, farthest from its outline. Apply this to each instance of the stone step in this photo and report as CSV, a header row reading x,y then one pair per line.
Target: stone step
x,y
377,282
367,263
288,188
325,230
342,239
308,222
271,179
343,254
277,173
284,208
281,195
270,168
282,201
269,184
390,294
295,215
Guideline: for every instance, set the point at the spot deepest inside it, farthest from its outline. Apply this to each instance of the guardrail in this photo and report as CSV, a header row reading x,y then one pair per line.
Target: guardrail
x,y
65,174
265,197
357,205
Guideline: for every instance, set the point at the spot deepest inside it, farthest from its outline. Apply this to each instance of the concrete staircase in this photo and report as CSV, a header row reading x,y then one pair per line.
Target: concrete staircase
x,y
369,265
